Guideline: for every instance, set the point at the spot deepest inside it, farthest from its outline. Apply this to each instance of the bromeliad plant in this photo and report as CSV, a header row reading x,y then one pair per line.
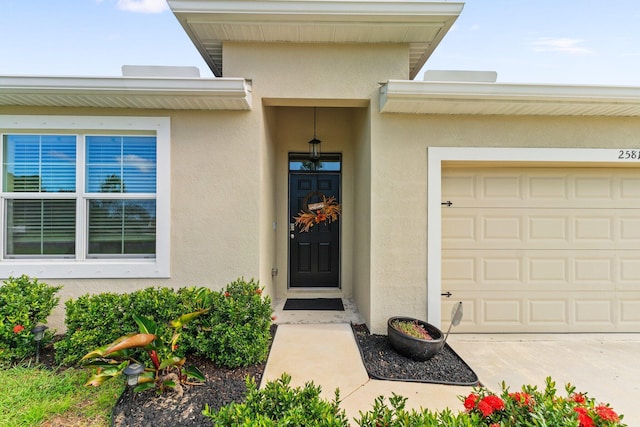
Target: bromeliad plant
x,y
167,370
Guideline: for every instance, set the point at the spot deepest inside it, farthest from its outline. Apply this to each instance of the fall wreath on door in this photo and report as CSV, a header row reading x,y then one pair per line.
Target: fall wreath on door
x,y
326,211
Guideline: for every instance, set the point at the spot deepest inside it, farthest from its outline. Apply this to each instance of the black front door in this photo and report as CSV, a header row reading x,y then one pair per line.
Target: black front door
x,y
314,255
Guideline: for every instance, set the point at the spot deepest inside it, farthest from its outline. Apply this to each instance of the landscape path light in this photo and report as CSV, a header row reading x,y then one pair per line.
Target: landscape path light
x,y
133,372
38,335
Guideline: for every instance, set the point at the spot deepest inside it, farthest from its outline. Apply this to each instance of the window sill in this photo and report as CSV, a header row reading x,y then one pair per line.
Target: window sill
x,y
103,269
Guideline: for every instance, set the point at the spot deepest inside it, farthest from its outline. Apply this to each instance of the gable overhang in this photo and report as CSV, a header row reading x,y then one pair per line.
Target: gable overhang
x,y
419,24
126,92
411,97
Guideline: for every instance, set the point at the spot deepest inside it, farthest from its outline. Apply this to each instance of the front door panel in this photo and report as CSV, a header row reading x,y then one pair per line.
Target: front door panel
x,y
314,255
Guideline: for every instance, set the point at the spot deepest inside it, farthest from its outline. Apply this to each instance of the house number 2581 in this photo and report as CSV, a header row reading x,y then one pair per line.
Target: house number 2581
x,y
628,154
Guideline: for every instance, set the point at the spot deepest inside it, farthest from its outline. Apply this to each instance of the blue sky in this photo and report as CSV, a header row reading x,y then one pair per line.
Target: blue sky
x,y
525,41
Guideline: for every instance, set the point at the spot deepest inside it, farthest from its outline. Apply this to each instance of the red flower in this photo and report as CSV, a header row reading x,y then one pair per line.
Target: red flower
x,y
485,408
17,329
583,417
274,317
470,402
489,404
320,217
494,425
578,398
227,294
258,291
522,398
606,413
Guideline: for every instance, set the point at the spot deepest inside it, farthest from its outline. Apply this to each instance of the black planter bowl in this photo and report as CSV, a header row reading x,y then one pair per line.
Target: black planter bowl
x,y
412,347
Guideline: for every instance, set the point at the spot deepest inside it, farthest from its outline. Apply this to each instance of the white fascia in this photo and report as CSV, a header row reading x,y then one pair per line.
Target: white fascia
x,y
157,85
474,90
382,8
402,96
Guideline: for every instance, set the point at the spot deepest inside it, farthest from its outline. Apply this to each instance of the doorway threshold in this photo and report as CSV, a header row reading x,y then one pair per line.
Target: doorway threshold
x,y
283,317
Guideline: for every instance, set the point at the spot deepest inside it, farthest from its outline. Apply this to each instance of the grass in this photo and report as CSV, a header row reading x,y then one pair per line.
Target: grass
x,y
40,397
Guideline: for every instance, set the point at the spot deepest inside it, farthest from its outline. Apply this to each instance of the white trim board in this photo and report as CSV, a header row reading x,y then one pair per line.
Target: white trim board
x,y
438,155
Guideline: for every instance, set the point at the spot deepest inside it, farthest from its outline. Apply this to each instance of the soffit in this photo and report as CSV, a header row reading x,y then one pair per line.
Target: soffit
x,y
125,92
419,24
409,97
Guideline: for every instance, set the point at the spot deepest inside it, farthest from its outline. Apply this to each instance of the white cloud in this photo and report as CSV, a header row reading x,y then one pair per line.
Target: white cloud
x,y
140,163
143,6
550,44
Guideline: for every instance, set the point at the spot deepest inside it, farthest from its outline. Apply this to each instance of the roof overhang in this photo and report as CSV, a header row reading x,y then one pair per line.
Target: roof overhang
x,y
419,24
412,97
126,92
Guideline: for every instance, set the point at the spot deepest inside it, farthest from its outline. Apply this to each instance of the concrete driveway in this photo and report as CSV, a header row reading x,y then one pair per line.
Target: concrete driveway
x,y
605,366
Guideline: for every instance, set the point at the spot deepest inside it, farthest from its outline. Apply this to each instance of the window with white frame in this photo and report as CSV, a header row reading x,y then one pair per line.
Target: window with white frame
x,y
85,202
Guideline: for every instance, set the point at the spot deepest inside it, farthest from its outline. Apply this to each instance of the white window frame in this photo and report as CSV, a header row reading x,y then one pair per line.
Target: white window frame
x,y
81,266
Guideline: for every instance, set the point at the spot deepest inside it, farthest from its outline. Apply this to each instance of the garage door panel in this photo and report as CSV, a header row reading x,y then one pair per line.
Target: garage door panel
x,y
510,228
554,188
590,311
469,318
590,188
544,312
538,269
460,269
548,312
542,249
539,187
629,309
502,311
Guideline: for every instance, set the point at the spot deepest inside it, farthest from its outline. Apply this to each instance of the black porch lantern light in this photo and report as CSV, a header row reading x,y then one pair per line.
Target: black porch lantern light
x,y
38,335
314,144
133,372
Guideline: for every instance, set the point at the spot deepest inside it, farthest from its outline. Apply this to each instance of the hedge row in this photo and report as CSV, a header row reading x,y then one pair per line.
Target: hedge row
x,y
235,332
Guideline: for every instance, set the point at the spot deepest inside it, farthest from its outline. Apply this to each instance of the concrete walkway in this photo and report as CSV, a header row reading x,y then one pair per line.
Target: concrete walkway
x,y
603,365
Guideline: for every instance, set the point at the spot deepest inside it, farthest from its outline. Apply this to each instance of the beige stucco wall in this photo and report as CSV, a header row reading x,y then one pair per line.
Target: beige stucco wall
x,y
399,187
229,180
343,82
326,74
363,214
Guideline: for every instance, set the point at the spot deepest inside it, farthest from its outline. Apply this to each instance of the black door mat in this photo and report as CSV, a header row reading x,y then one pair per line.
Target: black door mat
x,y
329,304
382,362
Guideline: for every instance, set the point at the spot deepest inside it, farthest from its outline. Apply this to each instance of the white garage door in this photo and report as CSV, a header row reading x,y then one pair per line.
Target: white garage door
x,y
542,249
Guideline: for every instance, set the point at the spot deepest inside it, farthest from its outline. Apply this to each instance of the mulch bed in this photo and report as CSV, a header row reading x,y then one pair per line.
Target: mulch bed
x,y
383,362
225,385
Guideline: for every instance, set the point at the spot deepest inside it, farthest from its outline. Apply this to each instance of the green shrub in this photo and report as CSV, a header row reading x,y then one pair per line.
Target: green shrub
x,y
24,302
236,332
93,320
395,415
278,404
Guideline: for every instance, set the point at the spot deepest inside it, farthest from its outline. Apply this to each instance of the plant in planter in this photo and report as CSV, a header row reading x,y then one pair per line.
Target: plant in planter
x,y
405,337
419,340
412,328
